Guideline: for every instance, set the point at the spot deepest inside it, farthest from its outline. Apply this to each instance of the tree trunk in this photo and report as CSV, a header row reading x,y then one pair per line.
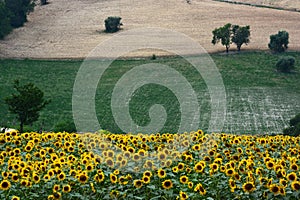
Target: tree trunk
x,y
239,48
227,49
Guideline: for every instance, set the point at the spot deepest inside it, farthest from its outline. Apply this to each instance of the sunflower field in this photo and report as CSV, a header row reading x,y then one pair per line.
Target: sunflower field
x,y
191,165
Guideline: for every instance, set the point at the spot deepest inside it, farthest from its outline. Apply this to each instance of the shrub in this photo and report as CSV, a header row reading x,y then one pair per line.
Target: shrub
x,y
286,64
43,2
112,24
294,129
279,42
65,125
153,57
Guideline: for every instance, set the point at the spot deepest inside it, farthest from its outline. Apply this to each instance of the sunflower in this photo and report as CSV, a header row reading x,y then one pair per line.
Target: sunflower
x,y
232,184
199,167
183,195
161,173
292,176
294,167
161,156
113,178
66,188
15,177
190,185
180,166
282,191
175,169
248,187
199,188
148,164
167,184
230,172
57,195
184,179
5,185
83,178
270,164
109,162
283,182
55,188
36,178
136,157
274,188
146,179
214,166
15,198
61,176
295,185
138,183
147,173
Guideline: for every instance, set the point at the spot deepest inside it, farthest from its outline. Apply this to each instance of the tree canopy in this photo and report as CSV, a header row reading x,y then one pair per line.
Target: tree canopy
x,y
229,34
279,42
27,103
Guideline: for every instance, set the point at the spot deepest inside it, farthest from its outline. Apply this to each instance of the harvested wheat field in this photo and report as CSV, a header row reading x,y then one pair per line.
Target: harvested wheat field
x,y
71,29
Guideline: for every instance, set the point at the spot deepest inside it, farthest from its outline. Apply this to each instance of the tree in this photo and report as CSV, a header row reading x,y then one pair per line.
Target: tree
x,y
286,64
279,42
112,24
222,34
294,128
27,104
18,11
240,35
5,27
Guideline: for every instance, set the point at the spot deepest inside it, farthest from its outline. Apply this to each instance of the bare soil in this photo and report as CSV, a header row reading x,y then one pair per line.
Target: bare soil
x,y
71,29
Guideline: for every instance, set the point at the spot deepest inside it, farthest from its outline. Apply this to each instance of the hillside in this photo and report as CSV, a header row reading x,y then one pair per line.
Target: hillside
x,y
71,29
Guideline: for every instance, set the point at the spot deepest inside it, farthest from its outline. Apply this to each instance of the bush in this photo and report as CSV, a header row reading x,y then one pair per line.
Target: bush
x,y
43,2
286,64
294,129
65,125
112,24
279,42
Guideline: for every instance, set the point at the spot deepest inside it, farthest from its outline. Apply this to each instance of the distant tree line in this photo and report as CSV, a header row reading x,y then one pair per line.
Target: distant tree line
x,y
13,14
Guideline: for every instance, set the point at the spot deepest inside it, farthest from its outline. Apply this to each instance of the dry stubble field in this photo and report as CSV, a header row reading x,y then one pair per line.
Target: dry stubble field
x,y
71,29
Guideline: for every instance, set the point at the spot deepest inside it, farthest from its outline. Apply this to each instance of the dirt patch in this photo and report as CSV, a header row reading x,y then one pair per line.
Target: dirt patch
x,y
71,29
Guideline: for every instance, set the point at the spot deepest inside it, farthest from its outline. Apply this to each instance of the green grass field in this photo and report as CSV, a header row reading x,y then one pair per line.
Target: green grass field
x,y
259,99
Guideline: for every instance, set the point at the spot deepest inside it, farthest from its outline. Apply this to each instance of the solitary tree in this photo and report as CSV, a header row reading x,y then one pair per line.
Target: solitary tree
x,y
112,24
279,42
240,35
27,103
222,34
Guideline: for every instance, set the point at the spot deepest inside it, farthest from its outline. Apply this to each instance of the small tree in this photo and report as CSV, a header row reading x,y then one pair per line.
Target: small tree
x,y
222,34
286,64
27,103
240,35
294,129
279,42
112,24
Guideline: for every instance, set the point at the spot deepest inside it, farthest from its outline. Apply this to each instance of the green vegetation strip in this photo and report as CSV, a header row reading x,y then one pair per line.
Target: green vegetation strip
x,y
259,99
